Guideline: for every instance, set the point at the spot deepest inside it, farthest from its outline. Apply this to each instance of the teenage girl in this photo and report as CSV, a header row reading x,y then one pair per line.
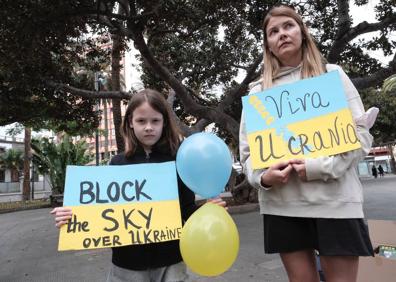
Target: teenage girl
x,y
150,136
311,204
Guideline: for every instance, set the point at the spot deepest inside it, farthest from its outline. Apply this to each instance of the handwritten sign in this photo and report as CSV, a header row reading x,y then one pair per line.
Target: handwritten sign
x,y
120,205
305,119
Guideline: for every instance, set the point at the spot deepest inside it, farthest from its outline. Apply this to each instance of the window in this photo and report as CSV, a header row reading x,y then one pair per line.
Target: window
x,y
2,175
14,175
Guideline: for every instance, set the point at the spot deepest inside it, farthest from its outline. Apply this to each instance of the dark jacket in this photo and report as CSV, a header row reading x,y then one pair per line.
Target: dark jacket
x,y
142,257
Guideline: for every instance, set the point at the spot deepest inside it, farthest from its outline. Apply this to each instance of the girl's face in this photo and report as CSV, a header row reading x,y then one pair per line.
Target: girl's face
x,y
147,124
284,40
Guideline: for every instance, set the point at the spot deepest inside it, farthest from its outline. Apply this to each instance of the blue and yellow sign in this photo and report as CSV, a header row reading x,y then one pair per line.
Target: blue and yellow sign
x,y
305,119
121,205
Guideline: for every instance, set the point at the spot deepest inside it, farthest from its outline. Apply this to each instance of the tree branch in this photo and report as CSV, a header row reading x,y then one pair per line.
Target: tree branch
x,y
90,94
201,124
238,91
180,34
190,106
344,20
103,10
350,34
239,67
186,130
134,31
379,76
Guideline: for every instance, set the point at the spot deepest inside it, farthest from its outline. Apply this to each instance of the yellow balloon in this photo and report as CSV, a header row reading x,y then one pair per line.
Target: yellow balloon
x,y
209,241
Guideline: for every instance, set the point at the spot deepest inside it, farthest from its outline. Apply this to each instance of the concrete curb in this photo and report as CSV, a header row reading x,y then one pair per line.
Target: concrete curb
x,y
23,208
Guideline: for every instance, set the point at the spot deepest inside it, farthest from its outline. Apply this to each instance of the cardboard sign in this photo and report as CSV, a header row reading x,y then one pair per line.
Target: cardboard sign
x,y
305,119
382,267
120,205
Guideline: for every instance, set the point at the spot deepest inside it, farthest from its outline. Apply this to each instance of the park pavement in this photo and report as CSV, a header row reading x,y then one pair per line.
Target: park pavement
x,y
28,244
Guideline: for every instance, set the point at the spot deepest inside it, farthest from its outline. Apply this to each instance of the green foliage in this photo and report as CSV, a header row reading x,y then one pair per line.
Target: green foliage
x,y
384,129
12,159
42,42
16,129
204,44
389,85
52,159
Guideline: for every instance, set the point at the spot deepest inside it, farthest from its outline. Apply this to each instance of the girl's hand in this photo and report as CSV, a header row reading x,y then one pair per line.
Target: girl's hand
x,y
299,167
276,174
218,201
62,215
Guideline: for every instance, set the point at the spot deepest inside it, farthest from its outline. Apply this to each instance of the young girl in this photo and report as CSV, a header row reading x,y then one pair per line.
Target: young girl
x,y
150,136
311,204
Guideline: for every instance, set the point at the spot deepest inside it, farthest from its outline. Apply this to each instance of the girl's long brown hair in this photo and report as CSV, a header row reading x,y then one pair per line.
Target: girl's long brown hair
x,y
170,138
312,60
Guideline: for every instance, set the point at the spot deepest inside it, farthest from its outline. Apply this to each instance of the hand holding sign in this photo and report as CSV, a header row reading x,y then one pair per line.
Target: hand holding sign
x,y
204,164
62,215
299,167
209,242
277,174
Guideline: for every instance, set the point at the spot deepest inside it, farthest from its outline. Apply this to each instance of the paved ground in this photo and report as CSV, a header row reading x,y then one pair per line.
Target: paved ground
x,y
380,198
28,243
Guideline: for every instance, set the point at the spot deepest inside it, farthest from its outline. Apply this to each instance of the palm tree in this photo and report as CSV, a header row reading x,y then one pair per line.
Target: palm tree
x,y
389,87
12,159
52,159
389,84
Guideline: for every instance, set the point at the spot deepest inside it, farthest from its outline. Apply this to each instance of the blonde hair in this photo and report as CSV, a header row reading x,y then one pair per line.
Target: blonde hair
x,y
170,137
312,60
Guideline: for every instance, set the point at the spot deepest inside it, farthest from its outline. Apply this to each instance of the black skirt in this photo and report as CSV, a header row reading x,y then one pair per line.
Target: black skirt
x,y
330,237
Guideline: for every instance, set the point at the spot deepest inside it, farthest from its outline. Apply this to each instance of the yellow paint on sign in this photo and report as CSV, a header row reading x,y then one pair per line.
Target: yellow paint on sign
x,y
325,135
100,226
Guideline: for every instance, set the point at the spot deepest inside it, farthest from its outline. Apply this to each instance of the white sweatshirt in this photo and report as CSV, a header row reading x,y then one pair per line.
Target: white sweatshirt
x,y
333,189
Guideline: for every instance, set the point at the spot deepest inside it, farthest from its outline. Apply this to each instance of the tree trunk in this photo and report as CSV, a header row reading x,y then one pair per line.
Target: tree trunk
x,y
115,86
26,165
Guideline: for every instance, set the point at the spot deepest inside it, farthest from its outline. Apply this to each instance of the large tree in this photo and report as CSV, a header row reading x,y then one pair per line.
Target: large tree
x,y
190,47
42,42
192,50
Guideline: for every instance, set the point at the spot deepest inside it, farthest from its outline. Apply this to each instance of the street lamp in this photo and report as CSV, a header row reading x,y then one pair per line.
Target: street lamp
x,y
32,179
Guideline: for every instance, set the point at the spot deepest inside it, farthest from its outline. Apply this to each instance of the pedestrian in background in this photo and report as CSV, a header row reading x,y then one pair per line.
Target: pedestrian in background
x,y
374,171
381,171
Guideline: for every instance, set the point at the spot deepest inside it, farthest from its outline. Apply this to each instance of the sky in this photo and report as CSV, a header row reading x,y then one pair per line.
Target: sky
x,y
359,14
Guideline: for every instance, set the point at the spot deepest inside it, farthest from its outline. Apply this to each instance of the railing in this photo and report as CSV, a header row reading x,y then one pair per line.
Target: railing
x,y
15,187
9,187
39,185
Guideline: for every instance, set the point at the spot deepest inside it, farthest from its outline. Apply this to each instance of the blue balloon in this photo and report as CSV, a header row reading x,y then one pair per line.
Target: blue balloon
x,y
204,164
